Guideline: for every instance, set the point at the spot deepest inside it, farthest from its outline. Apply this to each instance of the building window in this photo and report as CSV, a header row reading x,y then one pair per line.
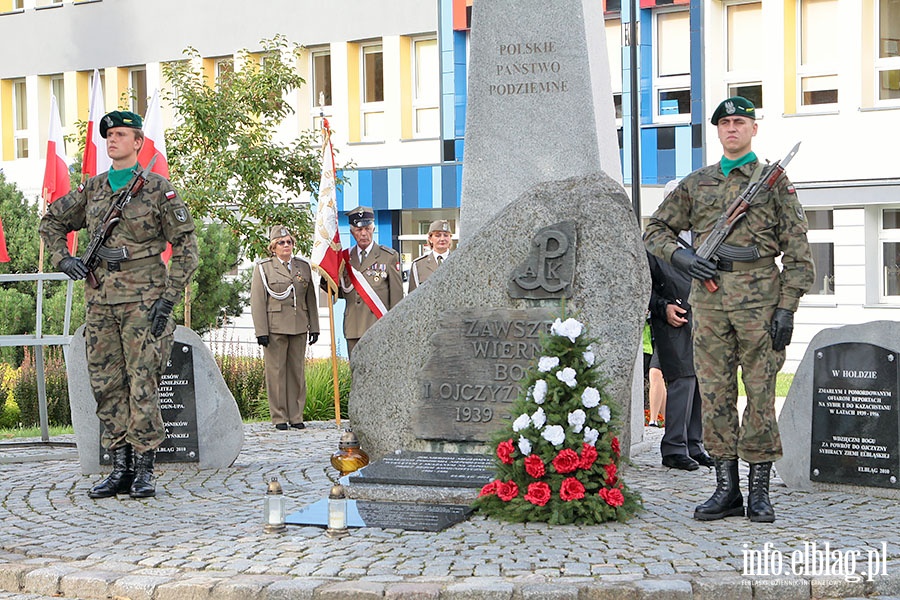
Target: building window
x,y
426,88
887,65
672,66
224,68
58,89
614,50
20,118
821,243
819,52
889,237
744,61
137,81
372,92
321,79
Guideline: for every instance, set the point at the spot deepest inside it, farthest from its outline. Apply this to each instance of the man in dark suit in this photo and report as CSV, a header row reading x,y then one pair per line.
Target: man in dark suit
x,y
376,269
670,320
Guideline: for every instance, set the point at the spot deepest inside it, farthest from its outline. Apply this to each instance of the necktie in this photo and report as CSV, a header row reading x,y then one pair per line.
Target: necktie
x,y
287,265
362,256
440,260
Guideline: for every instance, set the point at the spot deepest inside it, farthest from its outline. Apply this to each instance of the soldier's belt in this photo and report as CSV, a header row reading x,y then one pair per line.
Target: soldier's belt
x,y
733,265
128,265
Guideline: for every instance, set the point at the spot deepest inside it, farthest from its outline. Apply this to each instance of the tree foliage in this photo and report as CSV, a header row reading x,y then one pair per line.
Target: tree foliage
x,y
223,156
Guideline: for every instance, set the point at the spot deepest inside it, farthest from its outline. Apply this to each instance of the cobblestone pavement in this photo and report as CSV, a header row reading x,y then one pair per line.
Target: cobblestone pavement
x,y
201,537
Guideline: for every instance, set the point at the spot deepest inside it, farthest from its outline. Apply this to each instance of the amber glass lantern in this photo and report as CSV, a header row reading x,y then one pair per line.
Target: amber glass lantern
x,y
349,456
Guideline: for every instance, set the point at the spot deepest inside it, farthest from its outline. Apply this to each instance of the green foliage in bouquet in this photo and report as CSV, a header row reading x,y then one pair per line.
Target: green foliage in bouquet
x,y
558,460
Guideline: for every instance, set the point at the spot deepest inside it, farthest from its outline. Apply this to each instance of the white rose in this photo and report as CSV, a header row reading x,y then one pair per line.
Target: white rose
x,y
590,397
522,422
538,418
591,436
569,328
547,363
567,376
604,413
589,358
576,420
524,445
554,434
540,391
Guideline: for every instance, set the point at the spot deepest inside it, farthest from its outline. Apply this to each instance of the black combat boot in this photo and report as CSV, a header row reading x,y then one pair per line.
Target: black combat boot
x,y
759,508
726,501
119,480
143,486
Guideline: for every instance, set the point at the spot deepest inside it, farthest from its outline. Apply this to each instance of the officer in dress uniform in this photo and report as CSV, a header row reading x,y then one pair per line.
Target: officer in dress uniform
x,y
129,330
749,320
439,238
379,267
285,314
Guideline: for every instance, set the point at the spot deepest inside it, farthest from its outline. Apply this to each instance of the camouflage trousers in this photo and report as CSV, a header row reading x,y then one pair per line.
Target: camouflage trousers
x,y
724,340
125,363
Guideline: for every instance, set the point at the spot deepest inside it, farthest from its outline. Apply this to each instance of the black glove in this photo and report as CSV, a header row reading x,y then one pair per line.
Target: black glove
x,y
159,316
685,260
263,340
313,338
782,328
73,267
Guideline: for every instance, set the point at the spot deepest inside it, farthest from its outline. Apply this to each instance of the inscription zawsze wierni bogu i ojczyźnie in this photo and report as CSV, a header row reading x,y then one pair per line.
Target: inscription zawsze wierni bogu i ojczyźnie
x,y
470,379
549,270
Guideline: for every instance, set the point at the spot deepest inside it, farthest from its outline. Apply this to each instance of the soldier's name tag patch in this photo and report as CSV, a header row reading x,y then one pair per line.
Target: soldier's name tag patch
x,y
708,182
170,194
180,214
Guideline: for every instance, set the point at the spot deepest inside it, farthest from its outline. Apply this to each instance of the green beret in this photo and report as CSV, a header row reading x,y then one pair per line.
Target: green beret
x,y
120,118
737,105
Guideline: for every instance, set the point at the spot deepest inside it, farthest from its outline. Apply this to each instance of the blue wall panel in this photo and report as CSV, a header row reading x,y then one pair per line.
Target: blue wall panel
x,y
379,190
648,156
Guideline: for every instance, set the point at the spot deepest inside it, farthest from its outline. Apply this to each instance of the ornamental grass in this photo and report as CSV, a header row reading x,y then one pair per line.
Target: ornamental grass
x,y
557,461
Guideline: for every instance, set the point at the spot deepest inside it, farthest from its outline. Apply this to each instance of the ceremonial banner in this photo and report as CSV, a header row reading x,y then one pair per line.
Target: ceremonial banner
x,y
95,159
56,169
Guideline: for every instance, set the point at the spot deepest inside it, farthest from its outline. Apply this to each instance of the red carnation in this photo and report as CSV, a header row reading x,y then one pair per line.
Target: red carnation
x,y
538,493
504,452
588,456
489,489
613,497
615,446
566,461
611,471
534,466
508,490
571,489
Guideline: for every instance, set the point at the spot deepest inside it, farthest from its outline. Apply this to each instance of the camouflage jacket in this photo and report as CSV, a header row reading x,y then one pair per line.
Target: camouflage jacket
x,y
774,223
155,216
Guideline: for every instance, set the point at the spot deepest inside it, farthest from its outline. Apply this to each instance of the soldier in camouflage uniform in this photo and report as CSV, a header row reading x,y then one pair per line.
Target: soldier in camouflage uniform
x,y
129,331
749,320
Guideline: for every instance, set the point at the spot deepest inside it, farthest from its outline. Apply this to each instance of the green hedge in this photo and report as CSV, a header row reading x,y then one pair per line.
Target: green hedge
x,y
244,376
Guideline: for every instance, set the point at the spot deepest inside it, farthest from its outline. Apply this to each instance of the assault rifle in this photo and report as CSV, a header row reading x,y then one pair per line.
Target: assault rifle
x,y
771,173
95,249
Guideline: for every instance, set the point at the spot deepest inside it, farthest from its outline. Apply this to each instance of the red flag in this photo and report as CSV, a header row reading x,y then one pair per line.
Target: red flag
x,y
56,168
327,257
155,143
95,158
4,257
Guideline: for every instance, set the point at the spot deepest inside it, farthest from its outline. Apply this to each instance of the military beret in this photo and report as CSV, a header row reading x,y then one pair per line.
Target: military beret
x,y
120,118
361,216
278,231
439,226
736,105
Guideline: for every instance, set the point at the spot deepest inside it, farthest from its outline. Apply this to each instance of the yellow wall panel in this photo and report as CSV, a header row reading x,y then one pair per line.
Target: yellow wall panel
x,y
353,85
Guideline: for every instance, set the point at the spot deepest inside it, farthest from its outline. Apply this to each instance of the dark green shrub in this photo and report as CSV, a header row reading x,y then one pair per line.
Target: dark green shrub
x,y
25,392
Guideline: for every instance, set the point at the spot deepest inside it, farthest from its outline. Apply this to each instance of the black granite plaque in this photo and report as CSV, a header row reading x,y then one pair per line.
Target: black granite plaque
x,y
855,419
179,410
471,376
386,515
428,468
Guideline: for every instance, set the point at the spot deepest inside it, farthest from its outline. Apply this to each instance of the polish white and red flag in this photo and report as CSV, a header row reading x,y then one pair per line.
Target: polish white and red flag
x,y
56,168
4,256
155,144
95,159
327,257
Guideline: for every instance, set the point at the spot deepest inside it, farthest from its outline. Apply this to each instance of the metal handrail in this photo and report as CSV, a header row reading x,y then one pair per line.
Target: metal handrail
x,y
38,340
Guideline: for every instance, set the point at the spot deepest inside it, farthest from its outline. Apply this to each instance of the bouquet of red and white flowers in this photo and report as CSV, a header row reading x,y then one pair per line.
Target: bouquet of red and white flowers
x,y
557,461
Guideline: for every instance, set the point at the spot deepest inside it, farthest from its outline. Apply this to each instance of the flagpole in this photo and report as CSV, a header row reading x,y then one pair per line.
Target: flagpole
x,y
332,293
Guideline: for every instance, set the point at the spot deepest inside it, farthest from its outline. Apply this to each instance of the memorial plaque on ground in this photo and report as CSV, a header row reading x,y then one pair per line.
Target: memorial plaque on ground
x,y
855,425
470,379
386,515
177,403
428,469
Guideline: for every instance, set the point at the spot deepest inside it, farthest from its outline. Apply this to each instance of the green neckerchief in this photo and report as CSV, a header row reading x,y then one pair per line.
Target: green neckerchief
x,y
120,178
729,165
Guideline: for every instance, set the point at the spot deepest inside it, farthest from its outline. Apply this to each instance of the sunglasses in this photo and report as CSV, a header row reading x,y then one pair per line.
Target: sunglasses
x,y
284,243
